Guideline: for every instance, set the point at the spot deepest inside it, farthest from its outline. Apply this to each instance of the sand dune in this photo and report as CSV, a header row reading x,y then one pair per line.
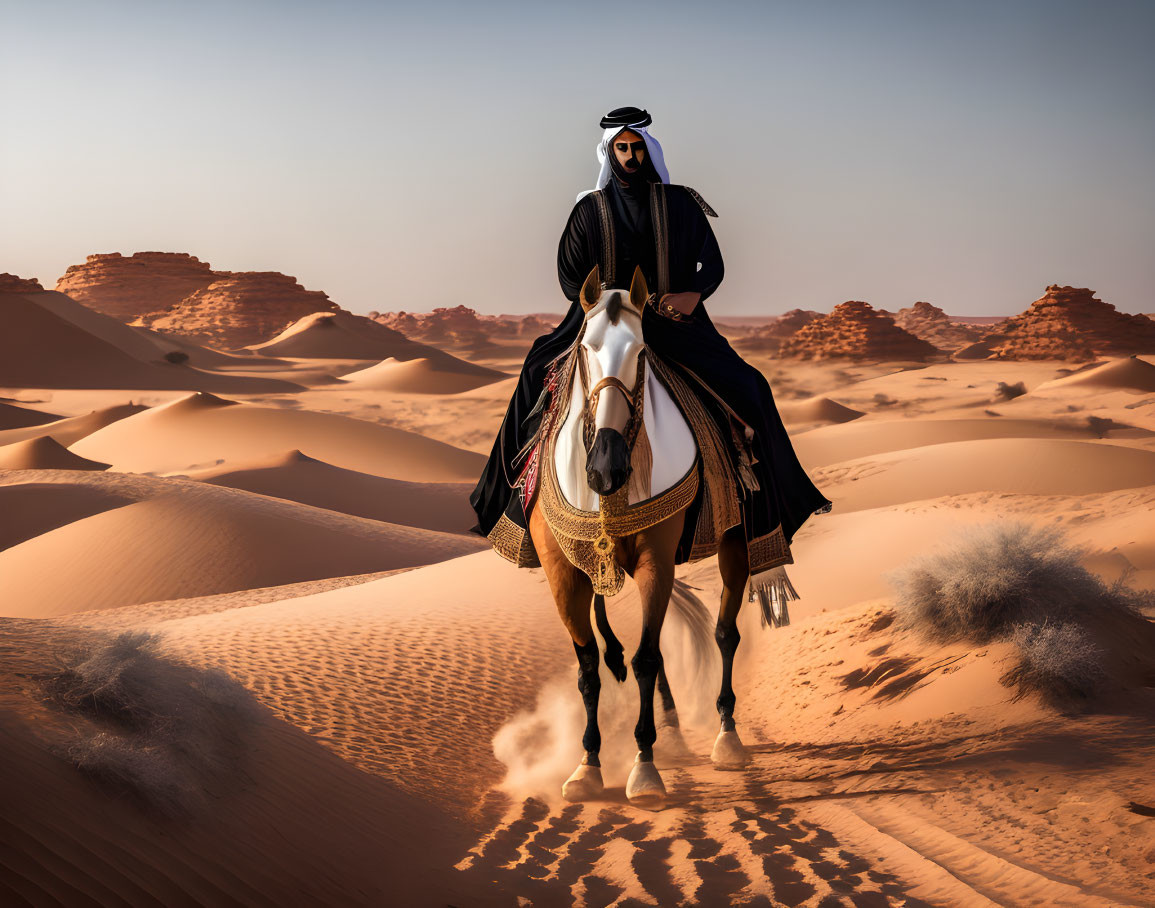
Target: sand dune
x,y
293,825
38,500
863,437
71,429
31,507
439,375
202,430
1127,374
200,539
1038,466
338,335
297,477
39,349
43,453
204,357
430,646
819,409
17,417
499,390
138,346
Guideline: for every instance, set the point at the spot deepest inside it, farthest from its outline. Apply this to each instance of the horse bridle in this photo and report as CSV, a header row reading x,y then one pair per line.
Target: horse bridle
x,y
635,399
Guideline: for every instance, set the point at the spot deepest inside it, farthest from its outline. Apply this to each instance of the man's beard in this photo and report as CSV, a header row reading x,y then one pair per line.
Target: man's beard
x,y
634,178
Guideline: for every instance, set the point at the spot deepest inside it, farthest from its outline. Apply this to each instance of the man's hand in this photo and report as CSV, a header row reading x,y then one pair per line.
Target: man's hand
x,y
684,303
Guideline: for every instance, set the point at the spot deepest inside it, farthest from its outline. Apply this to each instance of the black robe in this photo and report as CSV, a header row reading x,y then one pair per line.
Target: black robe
x,y
787,495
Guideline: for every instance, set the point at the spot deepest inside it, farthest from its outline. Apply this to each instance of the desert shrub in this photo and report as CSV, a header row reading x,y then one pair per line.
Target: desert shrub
x,y
1023,583
998,575
176,356
1059,662
155,729
1010,392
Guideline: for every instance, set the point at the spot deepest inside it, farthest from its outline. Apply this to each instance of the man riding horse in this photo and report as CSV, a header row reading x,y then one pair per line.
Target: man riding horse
x,y
636,218
638,439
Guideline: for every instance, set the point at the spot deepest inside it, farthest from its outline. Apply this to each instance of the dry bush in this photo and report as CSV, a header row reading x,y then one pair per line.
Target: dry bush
x,y
1009,392
1058,662
155,729
1018,582
998,575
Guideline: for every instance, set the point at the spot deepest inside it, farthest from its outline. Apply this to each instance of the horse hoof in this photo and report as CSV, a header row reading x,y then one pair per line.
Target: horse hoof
x,y
644,788
729,752
584,785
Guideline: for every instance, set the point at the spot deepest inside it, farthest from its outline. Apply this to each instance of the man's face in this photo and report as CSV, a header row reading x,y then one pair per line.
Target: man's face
x,y
630,149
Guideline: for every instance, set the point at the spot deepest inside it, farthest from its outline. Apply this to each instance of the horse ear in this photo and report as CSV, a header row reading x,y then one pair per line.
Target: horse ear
x,y
639,292
591,290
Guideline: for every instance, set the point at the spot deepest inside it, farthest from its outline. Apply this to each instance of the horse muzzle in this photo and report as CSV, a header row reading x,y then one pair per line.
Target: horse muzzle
x,y
608,463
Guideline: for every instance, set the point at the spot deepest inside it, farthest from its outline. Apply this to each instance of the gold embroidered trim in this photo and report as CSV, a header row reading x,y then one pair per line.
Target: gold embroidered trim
x,y
660,216
701,201
512,543
769,551
608,239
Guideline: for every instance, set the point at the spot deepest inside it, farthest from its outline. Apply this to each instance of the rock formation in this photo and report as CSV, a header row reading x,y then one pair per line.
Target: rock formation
x,y
1070,323
457,327
10,283
935,327
240,308
771,336
463,329
856,330
126,287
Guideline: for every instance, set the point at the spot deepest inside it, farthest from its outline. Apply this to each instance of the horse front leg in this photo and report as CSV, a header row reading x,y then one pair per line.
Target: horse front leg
x,y
572,591
729,751
654,573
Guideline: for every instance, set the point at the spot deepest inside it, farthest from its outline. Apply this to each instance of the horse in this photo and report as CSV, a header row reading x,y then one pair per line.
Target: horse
x,y
608,504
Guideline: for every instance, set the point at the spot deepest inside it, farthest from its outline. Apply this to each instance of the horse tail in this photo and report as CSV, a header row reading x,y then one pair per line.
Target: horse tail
x,y
698,620
693,613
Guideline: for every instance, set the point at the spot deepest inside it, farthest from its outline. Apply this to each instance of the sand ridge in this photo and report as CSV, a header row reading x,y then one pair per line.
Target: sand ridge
x,y
202,430
43,453
295,476
182,538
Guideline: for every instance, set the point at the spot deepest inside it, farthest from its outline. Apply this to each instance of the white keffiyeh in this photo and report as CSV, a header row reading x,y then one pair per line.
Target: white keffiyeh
x,y
653,149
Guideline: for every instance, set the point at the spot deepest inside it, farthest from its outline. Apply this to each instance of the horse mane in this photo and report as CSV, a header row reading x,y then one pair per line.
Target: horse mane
x,y
614,307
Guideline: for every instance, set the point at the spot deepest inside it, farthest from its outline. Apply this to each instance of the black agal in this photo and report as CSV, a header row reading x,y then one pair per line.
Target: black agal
x,y
626,116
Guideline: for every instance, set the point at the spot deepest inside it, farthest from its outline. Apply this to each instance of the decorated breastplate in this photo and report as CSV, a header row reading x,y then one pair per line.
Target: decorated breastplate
x,y
587,538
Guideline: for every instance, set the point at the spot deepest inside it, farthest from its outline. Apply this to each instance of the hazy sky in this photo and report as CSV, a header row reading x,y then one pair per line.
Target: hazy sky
x,y
421,154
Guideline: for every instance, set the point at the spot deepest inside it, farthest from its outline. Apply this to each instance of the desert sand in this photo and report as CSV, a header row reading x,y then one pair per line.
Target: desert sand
x,y
367,706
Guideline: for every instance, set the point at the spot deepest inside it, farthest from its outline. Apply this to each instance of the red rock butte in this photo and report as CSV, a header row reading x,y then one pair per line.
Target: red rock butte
x,y
127,287
1070,323
856,330
769,337
240,308
11,283
935,327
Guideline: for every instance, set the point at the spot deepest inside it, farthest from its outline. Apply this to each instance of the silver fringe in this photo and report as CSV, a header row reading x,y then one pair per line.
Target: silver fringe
x,y
773,590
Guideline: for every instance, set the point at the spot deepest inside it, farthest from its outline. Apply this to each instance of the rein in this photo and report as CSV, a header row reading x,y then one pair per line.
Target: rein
x,y
634,397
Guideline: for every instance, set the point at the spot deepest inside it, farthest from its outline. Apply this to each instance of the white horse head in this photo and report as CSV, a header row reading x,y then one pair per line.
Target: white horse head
x,y
614,400
612,369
